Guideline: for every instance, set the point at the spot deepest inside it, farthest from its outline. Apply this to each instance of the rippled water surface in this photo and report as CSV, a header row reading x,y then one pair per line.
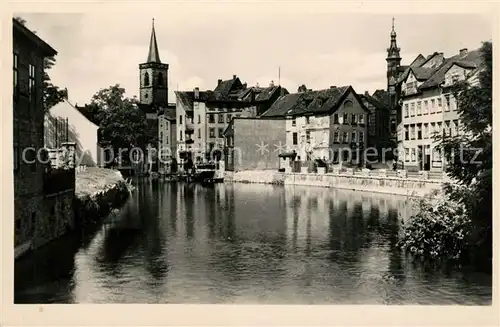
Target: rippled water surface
x,y
243,243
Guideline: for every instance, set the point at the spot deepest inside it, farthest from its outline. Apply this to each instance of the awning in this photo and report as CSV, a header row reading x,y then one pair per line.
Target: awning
x,y
287,155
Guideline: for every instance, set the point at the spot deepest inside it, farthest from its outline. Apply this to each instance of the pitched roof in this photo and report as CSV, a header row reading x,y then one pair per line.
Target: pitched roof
x,y
229,85
373,101
153,54
44,46
310,102
472,60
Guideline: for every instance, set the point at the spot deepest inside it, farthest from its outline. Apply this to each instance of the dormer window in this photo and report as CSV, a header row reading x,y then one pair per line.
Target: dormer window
x,y
348,104
454,79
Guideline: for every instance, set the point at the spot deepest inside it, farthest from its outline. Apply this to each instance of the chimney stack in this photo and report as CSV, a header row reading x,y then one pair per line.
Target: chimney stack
x,y
463,52
219,81
333,86
271,84
234,76
196,93
367,93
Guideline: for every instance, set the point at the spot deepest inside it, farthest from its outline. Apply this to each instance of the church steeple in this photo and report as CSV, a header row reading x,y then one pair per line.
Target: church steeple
x,y
393,50
153,54
153,76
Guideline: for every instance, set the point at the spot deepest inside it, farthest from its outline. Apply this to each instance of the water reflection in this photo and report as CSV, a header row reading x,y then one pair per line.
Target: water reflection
x,y
244,243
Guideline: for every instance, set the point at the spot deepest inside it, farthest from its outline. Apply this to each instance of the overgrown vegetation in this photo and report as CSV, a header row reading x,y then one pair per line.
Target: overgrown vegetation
x,y
459,226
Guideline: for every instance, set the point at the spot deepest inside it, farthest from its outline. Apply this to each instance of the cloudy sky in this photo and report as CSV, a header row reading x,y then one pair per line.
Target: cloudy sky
x,y
208,41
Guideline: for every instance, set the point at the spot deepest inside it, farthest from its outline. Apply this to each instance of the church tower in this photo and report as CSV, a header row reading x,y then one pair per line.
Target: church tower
x,y
393,68
153,77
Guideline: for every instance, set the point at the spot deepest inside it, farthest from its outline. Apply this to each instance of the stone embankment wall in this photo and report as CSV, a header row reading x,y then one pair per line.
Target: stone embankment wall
x,y
399,185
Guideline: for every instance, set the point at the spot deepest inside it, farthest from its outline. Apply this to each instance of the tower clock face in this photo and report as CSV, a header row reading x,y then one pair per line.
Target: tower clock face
x,y
391,89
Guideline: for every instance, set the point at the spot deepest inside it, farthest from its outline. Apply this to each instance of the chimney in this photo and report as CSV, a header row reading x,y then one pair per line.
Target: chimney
x,y
271,84
244,85
219,81
65,93
196,93
234,76
333,87
367,93
463,52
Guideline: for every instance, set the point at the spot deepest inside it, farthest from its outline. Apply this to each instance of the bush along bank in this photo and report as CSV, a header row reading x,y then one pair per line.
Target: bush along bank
x,y
442,233
90,209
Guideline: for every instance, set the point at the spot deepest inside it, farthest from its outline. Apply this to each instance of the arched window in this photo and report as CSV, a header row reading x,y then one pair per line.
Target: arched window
x,y
160,79
348,104
146,79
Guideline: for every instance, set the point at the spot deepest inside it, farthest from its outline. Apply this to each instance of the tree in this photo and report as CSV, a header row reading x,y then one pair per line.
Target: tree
x,y
52,94
470,155
122,124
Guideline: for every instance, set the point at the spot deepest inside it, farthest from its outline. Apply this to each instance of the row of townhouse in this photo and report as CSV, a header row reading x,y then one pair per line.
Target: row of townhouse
x,y
203,116
429,106
331,125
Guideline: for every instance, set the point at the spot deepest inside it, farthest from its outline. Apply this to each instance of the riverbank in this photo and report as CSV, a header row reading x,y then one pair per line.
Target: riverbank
x,y
98,191
415,187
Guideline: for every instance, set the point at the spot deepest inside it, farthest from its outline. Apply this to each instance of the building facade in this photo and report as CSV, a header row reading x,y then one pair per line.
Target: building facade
x,y
167,140
321,124
42,199
254,143
65,123
203,116
429,106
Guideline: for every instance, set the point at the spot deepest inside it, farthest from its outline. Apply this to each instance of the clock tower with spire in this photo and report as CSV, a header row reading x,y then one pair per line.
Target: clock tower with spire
x,y
393,68
153,78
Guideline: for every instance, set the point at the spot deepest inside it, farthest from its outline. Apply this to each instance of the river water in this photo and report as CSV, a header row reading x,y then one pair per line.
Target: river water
x,y
244,243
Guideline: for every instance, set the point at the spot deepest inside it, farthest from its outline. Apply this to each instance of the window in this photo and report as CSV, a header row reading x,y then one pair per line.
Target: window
x,y
199,133
440,128
453,103
407,154
361,119
433,129
180,135
454,79
419,108
228,116
221,132
15,70
166,139
348,104
439,105
407,110
353,137
433,106
180,120
426,130
336,137
199,119
407,133
426,107
221,118
31,159
32,82
294,122
161,137
412,131
211,118
353,119
335,118
346,118
212,132
361,137
412,112
308,136
294,138
146,79
160,79
345,137
413,155
419,131
457,127
447,102
447,128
